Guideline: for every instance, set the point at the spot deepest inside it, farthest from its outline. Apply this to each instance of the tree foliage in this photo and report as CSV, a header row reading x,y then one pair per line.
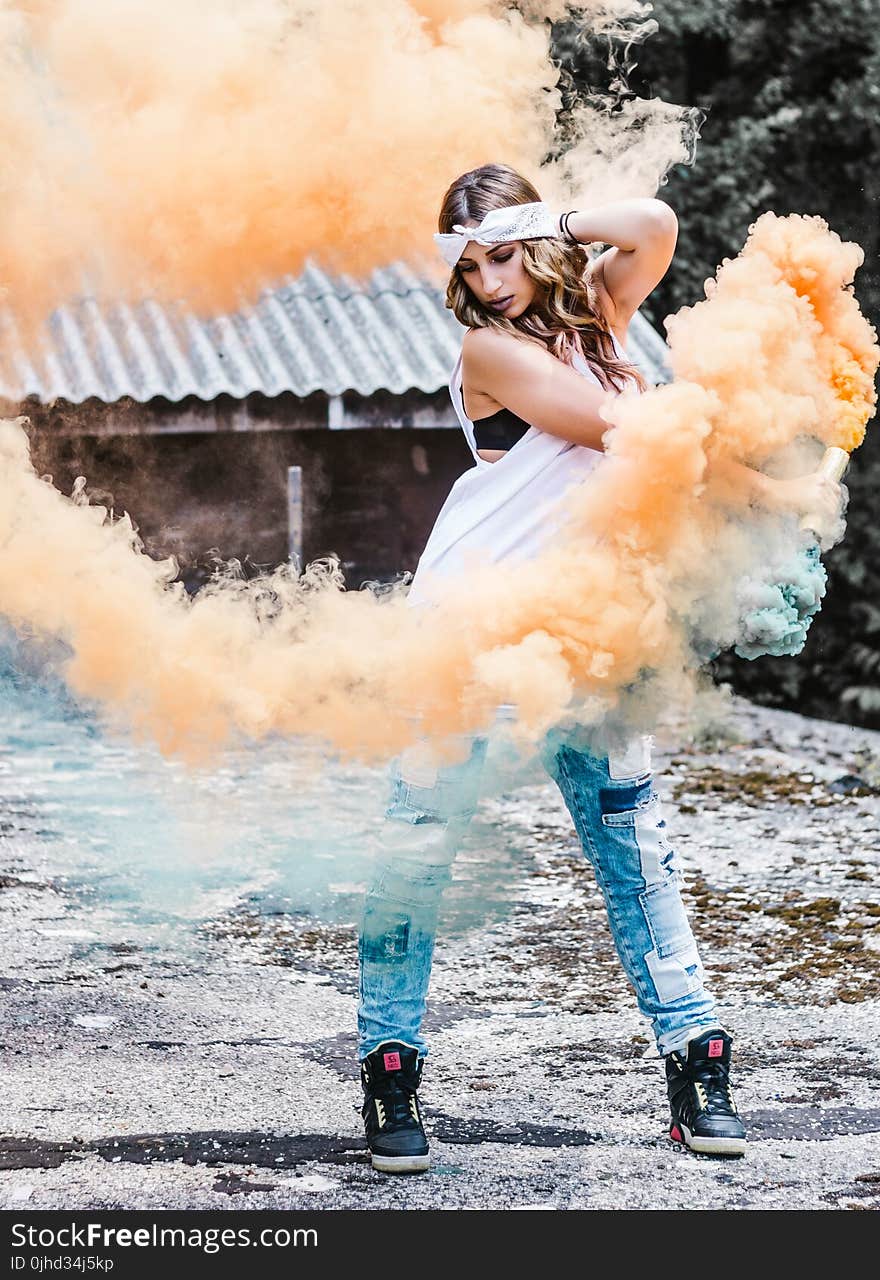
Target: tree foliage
x,y
791,95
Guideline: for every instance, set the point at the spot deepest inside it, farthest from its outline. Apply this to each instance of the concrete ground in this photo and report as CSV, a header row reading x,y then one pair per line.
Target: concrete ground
x,y
226,1079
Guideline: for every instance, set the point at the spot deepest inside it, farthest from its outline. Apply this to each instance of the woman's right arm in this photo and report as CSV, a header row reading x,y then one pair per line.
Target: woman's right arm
x,y
536,386
814,492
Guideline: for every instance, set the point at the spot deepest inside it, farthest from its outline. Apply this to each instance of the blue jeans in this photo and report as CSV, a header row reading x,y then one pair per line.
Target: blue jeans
x,y
617,816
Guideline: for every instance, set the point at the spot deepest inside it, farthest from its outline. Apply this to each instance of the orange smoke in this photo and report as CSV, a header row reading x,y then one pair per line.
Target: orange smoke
x,y
205,148
777,357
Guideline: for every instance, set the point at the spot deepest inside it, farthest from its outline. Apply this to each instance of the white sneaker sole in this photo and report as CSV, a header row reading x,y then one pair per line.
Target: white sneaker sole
x,y
713,1146
401,1164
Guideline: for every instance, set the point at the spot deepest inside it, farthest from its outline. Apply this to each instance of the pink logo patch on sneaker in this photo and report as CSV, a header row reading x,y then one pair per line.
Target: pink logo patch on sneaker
x,y
675,1134
392,1061
716,1048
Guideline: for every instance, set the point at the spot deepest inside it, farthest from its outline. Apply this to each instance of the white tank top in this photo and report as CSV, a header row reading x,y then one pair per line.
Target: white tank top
x,y
501,510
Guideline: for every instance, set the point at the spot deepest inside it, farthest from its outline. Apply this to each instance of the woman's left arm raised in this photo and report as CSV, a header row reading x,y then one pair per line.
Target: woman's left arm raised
x,y
642,234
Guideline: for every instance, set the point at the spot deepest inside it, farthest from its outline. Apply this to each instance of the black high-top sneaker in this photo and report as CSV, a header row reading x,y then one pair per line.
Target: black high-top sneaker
x,y
390,1076
704,1114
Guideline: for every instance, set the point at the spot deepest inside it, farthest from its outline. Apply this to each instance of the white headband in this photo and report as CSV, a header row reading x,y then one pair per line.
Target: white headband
x,y
515,222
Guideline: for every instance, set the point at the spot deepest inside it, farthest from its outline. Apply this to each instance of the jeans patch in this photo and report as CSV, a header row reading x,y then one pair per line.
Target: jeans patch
x,y
667,922
620,806
627,796
675,976
390,947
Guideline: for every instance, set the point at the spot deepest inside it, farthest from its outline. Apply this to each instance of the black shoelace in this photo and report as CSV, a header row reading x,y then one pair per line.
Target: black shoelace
x,y
400,1107
711,1082
394,1094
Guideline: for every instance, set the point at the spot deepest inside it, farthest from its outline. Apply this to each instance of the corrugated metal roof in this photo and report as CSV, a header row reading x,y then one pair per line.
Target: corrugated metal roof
x,y
317,332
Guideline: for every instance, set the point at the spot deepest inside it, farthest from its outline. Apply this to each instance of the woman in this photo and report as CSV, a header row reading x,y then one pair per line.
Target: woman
x,y
543,348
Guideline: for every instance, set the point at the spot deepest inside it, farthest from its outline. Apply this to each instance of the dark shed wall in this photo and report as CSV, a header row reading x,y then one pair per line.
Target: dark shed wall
x,y
370,496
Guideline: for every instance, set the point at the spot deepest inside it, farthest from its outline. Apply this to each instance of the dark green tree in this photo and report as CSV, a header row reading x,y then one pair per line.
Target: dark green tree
x,y
791,95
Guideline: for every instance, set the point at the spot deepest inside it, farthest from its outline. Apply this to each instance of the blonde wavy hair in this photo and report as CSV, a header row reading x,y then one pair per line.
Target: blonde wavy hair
x,y
564,316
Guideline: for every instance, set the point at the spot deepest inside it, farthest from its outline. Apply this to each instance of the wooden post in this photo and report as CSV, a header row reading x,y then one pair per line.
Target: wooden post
x,y
294,516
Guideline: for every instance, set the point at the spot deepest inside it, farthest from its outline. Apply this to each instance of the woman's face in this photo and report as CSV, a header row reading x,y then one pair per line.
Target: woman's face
x,y
497,278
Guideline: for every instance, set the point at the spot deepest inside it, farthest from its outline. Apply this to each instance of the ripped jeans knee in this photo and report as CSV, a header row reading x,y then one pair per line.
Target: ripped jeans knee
x,y
402,903
619,817
673,960
667,966
426,819
395,950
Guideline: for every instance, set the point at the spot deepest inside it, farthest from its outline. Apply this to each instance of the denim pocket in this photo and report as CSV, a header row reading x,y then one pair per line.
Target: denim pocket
x,y
677,976
674,963
450,793
449,799
622,806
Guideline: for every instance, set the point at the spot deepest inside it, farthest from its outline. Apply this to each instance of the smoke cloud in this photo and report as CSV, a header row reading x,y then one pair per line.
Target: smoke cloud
x,y
255,133
777,358
205,148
